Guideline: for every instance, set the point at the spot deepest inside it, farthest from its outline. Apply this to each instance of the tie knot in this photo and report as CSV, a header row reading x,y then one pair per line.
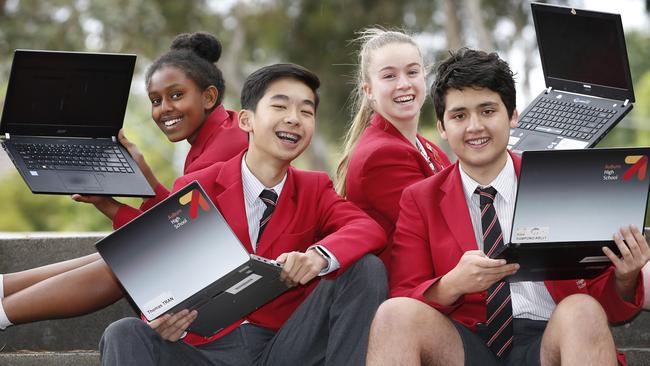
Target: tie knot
x,y
269,197
486,195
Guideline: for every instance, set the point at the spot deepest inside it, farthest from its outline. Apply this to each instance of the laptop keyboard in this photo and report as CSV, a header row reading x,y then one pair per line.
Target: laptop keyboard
x,y
568,119
98,158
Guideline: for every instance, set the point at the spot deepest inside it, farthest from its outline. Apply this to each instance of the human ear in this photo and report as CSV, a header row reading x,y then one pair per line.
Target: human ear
x,y
441,130
245,120
515,119
210,96
367,90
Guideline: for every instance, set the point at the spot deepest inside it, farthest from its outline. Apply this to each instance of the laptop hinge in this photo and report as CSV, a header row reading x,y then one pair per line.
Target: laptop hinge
x,y
624,103
548,90
113,138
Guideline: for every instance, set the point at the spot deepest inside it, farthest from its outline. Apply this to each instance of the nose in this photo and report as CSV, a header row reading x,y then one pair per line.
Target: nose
x,y
403,81
293,116
474,123
166,105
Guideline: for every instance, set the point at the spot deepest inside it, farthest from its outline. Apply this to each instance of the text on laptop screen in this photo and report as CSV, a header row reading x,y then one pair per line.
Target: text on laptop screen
x,y
585,48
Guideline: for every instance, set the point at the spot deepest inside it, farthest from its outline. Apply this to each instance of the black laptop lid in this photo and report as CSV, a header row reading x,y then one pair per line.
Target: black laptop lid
x,y
580,195
66,94
583,51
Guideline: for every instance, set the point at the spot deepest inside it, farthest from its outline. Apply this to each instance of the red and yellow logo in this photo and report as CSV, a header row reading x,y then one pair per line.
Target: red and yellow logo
x,y
639,166
195,199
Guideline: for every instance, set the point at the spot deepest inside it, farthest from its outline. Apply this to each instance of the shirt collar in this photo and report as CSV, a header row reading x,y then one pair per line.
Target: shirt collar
x,y
505,182
253,186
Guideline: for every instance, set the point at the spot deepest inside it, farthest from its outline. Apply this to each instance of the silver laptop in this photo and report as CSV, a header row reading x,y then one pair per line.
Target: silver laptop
x,y
588,83
60,121
569,205
181,254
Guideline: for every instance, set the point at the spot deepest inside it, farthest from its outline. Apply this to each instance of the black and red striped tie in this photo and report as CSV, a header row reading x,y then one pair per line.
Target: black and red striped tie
x,y
270,198
498,334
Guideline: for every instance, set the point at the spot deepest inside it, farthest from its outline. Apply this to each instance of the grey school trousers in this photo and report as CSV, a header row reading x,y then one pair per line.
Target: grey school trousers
x,y
329,328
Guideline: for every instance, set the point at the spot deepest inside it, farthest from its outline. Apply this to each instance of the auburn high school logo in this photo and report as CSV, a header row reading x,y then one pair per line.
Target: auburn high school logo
x,y
195,200
639,166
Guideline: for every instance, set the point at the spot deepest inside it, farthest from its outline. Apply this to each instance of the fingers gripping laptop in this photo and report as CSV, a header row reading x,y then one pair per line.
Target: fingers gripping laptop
x,y
587,75
60,121
569,205
181,254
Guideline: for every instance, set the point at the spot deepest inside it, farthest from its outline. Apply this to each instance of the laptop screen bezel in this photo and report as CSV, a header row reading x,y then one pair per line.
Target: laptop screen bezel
x,y
578,86
11,108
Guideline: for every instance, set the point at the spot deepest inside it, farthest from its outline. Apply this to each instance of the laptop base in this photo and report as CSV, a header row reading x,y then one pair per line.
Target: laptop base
x,y
241,292
67,181
560,261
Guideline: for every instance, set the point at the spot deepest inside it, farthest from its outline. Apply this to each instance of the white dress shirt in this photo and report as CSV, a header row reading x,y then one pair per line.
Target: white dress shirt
x,y
530,300
255,210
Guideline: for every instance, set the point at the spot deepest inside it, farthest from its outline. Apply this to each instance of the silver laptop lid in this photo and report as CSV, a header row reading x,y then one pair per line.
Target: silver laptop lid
x,y
580,195
173,251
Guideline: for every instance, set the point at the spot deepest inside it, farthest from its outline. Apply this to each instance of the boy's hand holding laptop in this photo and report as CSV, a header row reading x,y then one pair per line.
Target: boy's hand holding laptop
x,y
634,255
299,268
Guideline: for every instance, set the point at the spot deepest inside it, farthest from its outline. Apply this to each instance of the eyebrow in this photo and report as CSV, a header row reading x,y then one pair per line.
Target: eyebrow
x,y
482,105
285,98
393,67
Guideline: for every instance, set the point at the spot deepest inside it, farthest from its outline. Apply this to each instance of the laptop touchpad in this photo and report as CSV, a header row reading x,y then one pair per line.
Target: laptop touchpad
x,y
76,181
535,142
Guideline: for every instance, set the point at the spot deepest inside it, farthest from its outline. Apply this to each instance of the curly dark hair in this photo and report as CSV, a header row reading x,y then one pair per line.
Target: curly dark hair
x,y
469,68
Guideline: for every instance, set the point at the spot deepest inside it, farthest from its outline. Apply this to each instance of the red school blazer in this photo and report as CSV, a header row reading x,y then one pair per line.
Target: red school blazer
x,y
382,164
219,139
435,229
308,212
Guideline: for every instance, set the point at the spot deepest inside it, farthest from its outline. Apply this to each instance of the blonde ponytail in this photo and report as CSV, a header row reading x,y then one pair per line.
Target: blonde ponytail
x,y
370,40
359,123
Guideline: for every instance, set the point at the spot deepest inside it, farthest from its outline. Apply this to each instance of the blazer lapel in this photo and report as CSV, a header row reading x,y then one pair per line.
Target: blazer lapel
x,y
285,211
230,200
386,126
455,211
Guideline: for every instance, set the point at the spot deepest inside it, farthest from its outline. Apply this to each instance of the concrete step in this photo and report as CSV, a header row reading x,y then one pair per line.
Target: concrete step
x,y
72,358
67,336
24,251
637,356
635,334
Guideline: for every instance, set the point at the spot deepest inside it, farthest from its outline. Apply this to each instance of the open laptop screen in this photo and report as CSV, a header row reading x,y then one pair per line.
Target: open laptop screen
x,y
67,93
582,51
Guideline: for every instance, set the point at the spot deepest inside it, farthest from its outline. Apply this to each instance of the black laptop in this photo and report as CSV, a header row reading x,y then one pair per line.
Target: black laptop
x,y
588,83
569,205
60,121
181,254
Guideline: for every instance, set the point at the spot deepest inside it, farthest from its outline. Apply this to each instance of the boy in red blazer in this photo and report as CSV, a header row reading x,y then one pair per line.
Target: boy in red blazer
x,y
322,240
452,305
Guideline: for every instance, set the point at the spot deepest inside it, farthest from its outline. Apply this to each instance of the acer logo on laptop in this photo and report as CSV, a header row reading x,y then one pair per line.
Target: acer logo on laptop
x,y
195,199
639,167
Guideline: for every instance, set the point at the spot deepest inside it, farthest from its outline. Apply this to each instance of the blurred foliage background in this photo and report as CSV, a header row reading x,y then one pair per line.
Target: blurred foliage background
x,y
254,33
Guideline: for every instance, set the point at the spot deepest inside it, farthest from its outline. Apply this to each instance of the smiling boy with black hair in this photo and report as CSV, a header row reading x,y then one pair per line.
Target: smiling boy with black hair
x,y
322,240
453,304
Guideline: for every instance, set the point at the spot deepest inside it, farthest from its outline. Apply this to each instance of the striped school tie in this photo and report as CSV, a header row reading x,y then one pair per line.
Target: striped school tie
x,y
498,334
270,198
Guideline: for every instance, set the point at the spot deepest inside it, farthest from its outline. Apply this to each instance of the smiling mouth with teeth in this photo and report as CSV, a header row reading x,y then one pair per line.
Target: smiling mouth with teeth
x,y
291,137
404,99
478,141
172,122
